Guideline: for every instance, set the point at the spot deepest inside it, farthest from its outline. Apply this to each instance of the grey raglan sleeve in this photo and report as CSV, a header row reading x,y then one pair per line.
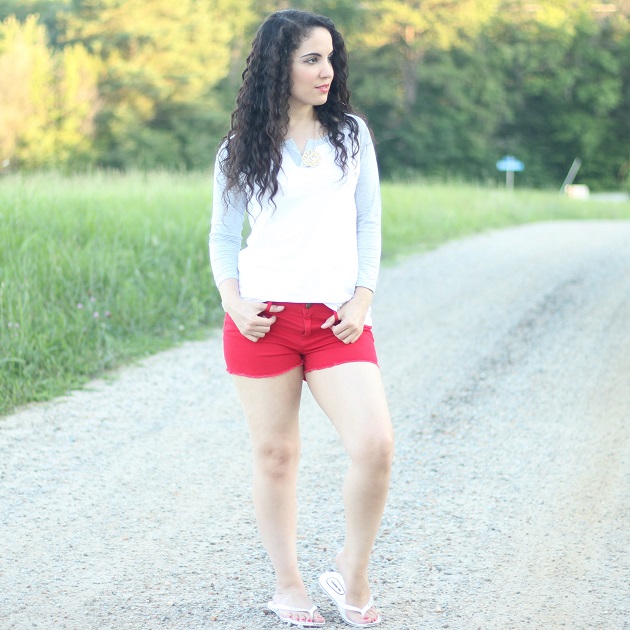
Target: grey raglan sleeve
x,y
367,197
225,230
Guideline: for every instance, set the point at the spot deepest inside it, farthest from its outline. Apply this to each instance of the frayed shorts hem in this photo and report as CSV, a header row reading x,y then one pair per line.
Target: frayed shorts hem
x,y
313,369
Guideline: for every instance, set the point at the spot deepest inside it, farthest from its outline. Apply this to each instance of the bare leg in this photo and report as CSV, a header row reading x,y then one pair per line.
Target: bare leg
x,y
352,396
272,409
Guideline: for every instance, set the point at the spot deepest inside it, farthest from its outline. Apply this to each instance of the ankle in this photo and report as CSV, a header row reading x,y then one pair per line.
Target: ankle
x,y
290,587
353,571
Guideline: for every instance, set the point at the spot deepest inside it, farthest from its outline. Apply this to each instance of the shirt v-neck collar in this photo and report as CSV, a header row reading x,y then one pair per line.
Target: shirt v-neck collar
x,y
292,148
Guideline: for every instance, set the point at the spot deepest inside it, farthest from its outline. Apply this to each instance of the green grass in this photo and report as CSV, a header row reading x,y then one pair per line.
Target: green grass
x,y
95,271
98,270
421,216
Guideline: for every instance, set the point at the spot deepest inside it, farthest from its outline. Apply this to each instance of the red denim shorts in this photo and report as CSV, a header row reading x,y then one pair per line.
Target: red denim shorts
x,y
296,338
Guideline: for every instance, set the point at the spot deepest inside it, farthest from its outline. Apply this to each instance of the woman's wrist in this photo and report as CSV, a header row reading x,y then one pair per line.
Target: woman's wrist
x,y
363,294
229,292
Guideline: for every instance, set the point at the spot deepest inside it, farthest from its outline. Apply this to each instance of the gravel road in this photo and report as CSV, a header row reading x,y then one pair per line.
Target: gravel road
x,y
506,358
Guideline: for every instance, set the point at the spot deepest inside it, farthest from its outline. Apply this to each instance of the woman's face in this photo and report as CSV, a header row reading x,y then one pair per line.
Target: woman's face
x,y
311,70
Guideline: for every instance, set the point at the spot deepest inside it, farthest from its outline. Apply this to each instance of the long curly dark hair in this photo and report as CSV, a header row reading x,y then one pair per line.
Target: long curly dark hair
x,y
252,149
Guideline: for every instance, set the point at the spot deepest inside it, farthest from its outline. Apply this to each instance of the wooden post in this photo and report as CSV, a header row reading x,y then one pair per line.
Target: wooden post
x,y
509,180
575,167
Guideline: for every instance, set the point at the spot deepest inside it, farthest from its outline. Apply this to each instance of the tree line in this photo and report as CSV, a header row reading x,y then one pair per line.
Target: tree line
x,y
449,86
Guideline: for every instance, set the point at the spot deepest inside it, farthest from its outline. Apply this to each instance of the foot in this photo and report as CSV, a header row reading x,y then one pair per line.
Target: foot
x,y
298,600
357,593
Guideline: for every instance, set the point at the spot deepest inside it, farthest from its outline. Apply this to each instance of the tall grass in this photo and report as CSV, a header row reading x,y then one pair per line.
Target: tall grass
x,y
421,216
97,270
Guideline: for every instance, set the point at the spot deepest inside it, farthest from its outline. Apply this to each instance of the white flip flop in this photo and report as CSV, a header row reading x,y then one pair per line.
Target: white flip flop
x,y
277,608
333,585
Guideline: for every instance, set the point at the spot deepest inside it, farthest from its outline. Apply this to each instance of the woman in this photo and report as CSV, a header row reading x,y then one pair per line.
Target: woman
x,y
297,297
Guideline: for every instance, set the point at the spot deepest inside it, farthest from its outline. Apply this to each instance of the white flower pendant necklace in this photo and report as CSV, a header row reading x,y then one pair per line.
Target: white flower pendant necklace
x,y
312,158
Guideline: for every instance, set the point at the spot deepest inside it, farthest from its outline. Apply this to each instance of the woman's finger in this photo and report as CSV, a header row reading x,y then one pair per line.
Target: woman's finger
x,y
348,334
270,307
259,325
329,322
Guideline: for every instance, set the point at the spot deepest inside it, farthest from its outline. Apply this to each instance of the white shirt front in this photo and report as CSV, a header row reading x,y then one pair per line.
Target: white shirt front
x,y
320,241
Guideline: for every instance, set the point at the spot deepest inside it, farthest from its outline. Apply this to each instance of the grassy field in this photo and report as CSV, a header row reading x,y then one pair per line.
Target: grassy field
x,y
95,271
98,270
417,217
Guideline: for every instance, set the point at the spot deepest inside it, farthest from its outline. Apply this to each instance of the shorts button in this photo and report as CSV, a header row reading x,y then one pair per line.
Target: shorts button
x,y
308,305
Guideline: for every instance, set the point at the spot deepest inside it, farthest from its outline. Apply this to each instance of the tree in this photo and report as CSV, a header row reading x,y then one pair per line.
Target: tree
x,y
425,85
562,74
18,47
413,27
77,104
448,85
46,10
47,99
160,66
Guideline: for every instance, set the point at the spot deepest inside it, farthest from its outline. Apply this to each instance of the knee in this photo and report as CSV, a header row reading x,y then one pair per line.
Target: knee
x,y
277,460
376,452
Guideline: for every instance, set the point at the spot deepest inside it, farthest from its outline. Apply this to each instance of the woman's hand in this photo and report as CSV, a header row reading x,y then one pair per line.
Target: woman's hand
x,y
253,319
347,323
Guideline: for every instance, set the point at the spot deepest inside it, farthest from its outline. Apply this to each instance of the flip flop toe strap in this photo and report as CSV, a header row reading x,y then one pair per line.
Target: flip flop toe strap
x,y
360,610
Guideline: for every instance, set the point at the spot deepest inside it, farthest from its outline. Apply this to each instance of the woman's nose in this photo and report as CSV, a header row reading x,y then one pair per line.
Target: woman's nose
x,y
327,70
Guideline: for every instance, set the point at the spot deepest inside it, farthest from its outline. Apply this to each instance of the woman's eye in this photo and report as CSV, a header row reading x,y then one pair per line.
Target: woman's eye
x,y
313,60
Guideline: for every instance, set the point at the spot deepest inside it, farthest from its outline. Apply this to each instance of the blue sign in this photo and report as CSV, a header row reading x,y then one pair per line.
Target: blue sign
x,y
510,164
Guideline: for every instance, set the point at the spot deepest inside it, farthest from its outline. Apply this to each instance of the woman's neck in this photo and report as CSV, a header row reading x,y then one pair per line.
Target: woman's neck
x,y
302,116
303,126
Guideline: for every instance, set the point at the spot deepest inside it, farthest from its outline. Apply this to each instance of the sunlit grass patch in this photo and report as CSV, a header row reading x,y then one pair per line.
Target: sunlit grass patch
x,y
421,216
97,270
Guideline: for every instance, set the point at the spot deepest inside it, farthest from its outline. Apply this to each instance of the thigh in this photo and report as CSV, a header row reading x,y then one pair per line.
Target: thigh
x,y
353,397
271,405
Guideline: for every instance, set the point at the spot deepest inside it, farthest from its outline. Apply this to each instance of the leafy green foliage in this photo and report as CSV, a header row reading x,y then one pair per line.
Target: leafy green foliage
x,y
449,87
160,63
563,85
48,98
